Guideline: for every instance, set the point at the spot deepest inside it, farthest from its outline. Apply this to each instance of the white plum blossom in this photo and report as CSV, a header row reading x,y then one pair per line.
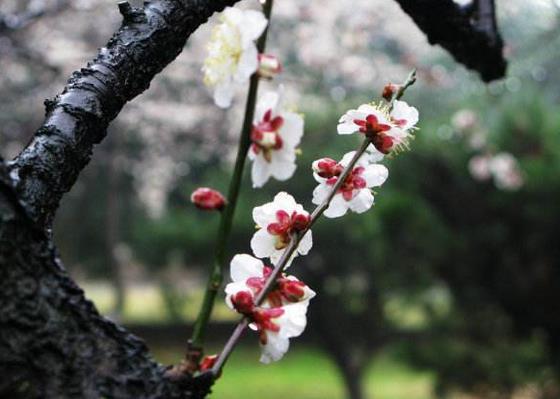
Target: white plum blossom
x,y
282,315
404,116
355,193
233,55
277,221
276,326
275,136
387,129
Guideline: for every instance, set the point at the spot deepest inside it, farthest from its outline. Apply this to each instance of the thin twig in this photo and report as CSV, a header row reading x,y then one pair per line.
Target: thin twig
x,y
296,239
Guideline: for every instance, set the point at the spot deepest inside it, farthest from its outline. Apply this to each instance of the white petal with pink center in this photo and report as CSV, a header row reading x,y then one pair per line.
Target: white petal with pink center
x,y
355,194
376,122
232,53
347,122
276,134
292,323
404,115
276,222
282,315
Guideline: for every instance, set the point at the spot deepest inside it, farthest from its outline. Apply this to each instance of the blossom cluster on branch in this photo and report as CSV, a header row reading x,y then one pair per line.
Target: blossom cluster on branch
x,y
282,314
271,302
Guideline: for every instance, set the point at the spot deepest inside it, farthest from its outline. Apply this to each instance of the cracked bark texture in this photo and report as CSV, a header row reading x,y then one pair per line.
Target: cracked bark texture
x,y
469,33
53,342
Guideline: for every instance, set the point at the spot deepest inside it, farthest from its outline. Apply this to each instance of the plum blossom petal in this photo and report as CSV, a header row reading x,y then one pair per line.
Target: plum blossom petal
x,y
354,194
375,175
244,266
337,208
260,171
387,129
292,323
276,134
252,25
223,93
263,244
361,202
277,221
247,65
404,116
282,169
306,243
232,53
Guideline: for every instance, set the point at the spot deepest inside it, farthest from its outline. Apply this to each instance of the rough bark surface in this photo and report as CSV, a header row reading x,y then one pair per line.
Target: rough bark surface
x,y
468,33
53,342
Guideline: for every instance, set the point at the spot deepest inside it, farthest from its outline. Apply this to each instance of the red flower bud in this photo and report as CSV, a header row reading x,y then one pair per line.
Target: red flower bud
x,y
207,362
269,66
389,91
243,302
208,199
300,221
292,290
327,168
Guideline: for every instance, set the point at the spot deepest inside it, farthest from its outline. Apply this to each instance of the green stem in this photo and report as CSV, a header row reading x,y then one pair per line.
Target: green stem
x,y
216,276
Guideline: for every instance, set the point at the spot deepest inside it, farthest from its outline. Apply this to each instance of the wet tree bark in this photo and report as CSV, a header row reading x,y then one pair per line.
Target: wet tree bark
x,y
53,342
469,33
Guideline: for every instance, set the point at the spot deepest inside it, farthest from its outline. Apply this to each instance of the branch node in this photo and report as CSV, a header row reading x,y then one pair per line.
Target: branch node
x,y
131,14
125,8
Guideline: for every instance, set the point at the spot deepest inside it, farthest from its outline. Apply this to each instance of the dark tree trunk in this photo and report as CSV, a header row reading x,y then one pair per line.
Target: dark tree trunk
x,y
469,33
353,378
53,342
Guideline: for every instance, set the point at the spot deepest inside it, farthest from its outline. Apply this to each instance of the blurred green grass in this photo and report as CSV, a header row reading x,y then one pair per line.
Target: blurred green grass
x,y
145,304
307,373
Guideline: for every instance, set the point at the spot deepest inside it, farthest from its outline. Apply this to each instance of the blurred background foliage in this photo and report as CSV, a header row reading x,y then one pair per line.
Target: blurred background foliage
x,y
449,287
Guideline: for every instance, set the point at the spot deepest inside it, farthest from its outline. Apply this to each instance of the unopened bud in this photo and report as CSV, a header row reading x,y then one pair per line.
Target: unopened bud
x,y
300,221
269,66
327,168
292,290
390,90
243,302
208,362
208,199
